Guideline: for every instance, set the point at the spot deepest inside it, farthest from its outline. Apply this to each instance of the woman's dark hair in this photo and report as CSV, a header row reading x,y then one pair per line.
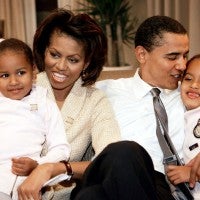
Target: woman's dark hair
x,y
17,45
197,56
80,27
150,32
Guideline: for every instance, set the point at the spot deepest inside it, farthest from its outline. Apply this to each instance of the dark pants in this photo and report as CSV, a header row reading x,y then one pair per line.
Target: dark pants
x,y
122,171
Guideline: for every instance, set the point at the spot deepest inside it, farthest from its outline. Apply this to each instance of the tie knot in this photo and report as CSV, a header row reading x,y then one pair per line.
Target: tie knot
x,y
155,92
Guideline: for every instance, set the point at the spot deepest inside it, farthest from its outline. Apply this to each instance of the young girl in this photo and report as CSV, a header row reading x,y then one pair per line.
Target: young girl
x,y
28,119
190,94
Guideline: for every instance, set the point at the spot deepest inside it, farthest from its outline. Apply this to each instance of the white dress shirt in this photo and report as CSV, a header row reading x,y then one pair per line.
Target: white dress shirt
x,y
25,126
133,106
191,145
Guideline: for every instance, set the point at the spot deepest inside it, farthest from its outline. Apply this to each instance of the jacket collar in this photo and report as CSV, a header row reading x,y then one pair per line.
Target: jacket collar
x,y
76,97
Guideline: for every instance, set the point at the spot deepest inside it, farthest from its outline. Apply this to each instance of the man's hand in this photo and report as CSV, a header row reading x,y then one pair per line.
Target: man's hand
x,y
178,174
23,166
195,170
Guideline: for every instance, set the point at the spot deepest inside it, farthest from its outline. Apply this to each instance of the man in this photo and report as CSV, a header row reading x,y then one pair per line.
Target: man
x,y
161,48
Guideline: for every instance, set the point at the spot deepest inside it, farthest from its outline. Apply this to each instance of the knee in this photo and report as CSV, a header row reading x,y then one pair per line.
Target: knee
x,y
126,149
129,153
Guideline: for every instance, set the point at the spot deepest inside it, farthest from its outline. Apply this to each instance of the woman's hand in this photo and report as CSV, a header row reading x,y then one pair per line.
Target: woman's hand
x,y
31,187
195,170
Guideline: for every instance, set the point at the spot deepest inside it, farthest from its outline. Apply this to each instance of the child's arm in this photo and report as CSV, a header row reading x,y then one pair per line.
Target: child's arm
x,y
178,174
57,147
23,166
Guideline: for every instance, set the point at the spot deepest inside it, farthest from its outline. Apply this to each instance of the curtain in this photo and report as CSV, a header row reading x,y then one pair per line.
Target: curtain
x,y
194,27
19,19
185,11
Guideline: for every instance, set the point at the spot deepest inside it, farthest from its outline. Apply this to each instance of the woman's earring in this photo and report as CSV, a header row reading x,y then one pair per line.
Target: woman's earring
x,y
83,73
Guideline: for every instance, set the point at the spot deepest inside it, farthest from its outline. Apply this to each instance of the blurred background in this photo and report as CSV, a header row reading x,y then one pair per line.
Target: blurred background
x,y
19,18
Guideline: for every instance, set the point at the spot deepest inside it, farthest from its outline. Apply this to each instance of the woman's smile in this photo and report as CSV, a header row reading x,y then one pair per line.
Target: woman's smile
x,y
59,77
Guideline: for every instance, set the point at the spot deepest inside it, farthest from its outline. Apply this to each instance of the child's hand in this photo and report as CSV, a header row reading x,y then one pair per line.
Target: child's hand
x,y
178,174
23,166
195,170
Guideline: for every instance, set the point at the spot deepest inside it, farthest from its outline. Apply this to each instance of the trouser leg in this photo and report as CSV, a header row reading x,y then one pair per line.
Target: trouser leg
x,y
162,187
123,170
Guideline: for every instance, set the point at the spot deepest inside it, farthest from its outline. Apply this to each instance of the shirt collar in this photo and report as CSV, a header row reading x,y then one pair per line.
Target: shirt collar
x,y
141,87
145,87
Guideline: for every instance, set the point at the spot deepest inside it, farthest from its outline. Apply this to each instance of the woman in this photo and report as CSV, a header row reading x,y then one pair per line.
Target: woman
x,y
70,51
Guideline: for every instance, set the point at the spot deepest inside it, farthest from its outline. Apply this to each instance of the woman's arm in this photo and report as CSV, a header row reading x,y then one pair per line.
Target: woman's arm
x,y
33,184
79,168
104,127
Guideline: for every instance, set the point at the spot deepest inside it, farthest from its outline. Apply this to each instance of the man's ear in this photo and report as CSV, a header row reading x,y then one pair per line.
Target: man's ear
x,y
140,53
